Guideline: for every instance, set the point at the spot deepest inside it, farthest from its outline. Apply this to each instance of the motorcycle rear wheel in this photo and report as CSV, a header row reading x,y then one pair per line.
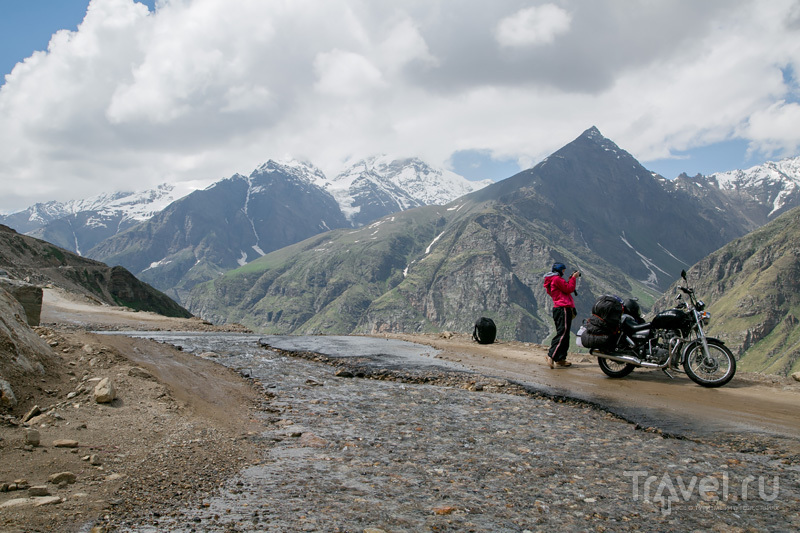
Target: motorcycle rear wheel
x,y
614,369
713,371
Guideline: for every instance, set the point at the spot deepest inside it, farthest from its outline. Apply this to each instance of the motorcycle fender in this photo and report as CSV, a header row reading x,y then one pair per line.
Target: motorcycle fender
x,y
690,345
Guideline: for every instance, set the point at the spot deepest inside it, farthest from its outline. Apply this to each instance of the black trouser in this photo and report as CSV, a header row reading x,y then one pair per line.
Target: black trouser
x,y
562,316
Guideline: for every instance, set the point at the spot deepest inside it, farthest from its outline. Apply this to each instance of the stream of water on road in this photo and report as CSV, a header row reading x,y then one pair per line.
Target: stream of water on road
x,y
344,454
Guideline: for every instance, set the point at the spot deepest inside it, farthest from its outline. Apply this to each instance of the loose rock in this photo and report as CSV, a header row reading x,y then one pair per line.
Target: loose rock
x,y
39,490
62,477
32,437
104,391
34,411
138,372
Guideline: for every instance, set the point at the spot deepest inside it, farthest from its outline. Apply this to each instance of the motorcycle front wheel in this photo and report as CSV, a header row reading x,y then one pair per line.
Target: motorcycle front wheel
x,y
614,369
713,371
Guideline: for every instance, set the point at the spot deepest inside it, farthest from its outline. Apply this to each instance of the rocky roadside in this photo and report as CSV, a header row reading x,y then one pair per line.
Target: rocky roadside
x,y
70,462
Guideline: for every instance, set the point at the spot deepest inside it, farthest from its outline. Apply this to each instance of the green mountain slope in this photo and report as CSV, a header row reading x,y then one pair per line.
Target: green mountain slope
x,y
752,286
426,269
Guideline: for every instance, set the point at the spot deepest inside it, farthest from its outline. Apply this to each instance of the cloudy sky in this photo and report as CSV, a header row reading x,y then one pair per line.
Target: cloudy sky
x,y
120,95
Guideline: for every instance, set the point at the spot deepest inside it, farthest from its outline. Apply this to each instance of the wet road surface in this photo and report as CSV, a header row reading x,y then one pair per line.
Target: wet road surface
x,y
344,454
646,397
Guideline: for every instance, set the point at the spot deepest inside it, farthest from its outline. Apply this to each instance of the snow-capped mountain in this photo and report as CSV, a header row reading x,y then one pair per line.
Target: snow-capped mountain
x,y
234,221
756,195
135,206
378,186
370,189
774,183
78,225
241,218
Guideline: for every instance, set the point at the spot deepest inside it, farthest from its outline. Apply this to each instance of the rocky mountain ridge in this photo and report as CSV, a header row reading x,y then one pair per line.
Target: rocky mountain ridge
x,y
236,220
210,231
40,263
775,183
756,195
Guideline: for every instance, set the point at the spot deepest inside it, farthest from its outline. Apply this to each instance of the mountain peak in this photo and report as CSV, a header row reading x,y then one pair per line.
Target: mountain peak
x,y
592,133
292,167
593,136
378,185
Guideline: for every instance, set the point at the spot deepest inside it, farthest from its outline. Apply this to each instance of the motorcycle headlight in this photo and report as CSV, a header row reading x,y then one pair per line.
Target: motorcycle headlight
x,y
701,305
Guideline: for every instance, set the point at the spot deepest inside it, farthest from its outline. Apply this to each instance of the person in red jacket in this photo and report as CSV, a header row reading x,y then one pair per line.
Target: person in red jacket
x,y
563,313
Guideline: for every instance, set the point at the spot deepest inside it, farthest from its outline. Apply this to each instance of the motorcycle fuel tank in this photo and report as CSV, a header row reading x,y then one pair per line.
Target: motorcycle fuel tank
x,y
672,319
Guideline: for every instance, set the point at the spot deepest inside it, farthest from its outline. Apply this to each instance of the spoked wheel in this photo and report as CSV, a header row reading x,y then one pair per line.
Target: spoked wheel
x,y
614,369
714,370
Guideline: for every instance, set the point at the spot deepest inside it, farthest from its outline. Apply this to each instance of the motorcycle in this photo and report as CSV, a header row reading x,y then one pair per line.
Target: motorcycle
x,y
673,339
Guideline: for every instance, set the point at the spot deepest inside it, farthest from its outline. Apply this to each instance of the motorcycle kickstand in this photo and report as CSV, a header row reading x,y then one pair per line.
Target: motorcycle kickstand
x,y
664,370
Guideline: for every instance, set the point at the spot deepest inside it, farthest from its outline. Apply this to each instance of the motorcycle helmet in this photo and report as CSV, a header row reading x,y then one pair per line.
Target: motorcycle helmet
x,y
632,308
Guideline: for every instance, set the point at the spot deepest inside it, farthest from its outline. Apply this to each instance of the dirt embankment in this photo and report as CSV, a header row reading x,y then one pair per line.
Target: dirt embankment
x,y
179,426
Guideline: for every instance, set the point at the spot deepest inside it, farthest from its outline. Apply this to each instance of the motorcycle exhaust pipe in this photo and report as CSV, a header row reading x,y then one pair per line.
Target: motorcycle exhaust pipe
x,y
629,359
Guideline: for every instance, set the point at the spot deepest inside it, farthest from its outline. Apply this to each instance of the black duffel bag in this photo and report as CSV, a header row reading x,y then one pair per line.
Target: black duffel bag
x,y
485,331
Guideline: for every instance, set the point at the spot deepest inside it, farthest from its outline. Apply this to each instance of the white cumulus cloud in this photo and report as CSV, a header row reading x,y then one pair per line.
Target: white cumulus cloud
x,y
199,90
533,25
345,73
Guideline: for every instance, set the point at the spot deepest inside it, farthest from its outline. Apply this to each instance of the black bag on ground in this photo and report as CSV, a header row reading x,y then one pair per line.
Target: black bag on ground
x,y
485,331
602,328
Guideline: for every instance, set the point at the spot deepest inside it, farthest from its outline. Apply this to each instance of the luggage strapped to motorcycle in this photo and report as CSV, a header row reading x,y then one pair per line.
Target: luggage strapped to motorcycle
x,y
603,327
608,310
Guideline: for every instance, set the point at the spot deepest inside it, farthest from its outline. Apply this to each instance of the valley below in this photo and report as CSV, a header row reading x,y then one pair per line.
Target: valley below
x,y
224,430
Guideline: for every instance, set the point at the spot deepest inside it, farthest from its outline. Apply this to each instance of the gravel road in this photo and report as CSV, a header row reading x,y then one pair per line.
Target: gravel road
x,y
354,447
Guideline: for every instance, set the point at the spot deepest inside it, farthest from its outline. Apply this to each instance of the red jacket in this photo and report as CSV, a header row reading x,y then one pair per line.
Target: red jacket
x,y
560,290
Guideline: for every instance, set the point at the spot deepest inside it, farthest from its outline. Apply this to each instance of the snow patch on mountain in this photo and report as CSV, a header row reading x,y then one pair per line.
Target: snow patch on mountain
x,y
251,189
428,249
156,264
649,264
672,255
